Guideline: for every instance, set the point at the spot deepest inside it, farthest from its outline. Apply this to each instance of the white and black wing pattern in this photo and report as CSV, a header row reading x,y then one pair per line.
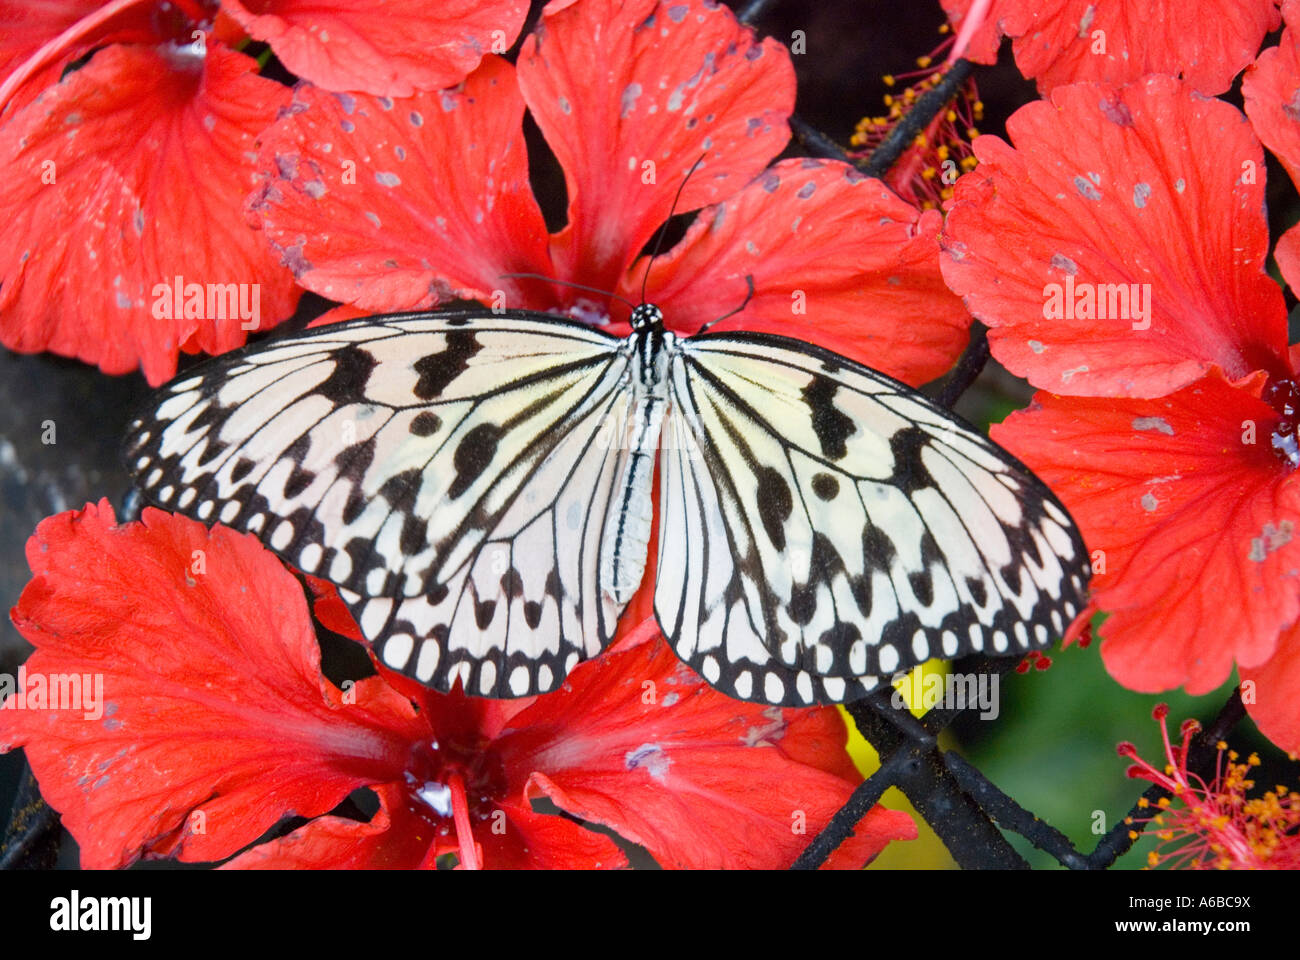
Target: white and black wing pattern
x,y
449,472
823,526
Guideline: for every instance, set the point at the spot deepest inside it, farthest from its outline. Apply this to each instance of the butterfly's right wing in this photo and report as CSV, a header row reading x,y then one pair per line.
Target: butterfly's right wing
x,y
829,527
449,473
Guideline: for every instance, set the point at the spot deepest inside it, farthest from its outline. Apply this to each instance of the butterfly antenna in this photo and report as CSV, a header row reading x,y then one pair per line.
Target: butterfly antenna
x,y
662,230
563,283
749,282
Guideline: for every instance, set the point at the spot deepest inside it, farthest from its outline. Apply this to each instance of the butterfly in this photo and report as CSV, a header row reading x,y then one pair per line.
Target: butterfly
x,y
479,486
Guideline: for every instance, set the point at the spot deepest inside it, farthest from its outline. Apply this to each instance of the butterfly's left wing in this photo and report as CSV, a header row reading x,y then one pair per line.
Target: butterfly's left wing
x,y
823,526
449,472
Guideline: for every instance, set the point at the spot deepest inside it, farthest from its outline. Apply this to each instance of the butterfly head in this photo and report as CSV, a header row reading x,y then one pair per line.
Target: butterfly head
x,y
646,317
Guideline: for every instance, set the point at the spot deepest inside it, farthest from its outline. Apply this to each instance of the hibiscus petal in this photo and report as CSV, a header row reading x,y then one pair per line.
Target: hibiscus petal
x,y
1287,254
1108,187
638,742
1064,41
629,96
402,204
123,177
836,259
985,37
541,841
26,27
1271,90
1275,706
398,837
213,700
1196,527
38,40
406,46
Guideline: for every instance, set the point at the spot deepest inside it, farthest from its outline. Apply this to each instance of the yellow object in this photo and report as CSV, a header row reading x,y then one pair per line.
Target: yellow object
x,y
927,851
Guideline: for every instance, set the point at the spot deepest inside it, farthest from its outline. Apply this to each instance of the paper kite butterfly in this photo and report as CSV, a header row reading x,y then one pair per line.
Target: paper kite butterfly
x,y
479,487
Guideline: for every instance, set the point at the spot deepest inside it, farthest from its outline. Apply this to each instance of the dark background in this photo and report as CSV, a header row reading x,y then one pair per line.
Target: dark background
x,y
1052,749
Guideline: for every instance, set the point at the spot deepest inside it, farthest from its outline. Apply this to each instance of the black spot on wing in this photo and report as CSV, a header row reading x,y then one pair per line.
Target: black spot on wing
x,y
861,590
803,603
512,584
532,614
438,370
830,423
775,504
299,480
922,587
401,489
347,383
355,506
425,424
877,548
910,473
825,486
473,455
354,461
414,531
839,637
554,587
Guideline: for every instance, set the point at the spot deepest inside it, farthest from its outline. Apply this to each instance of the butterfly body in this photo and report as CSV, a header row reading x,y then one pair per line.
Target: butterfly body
x,y
631,514
479,487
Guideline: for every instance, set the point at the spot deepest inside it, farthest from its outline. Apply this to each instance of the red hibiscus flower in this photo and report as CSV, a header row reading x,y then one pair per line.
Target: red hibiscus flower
x,y
1064,41
126,240
391,204
411,45
204,720
1115,259
1215,826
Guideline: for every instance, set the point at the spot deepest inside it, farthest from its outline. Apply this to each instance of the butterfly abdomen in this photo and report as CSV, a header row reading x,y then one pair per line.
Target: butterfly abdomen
x,y
631,510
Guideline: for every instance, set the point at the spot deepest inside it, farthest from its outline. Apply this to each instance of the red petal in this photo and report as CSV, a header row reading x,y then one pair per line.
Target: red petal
x,y
982,46
1287,254
1063,41
1275,706
396,838
405,46
1271,90
859,265
616,85
213,699
402,204
120,137
338,314
330,609
38,40
1197,528
1114,186
25,27
638,742
543,841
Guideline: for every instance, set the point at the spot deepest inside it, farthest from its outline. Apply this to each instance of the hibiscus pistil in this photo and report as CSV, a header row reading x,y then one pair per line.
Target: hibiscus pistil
x,y
930,165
